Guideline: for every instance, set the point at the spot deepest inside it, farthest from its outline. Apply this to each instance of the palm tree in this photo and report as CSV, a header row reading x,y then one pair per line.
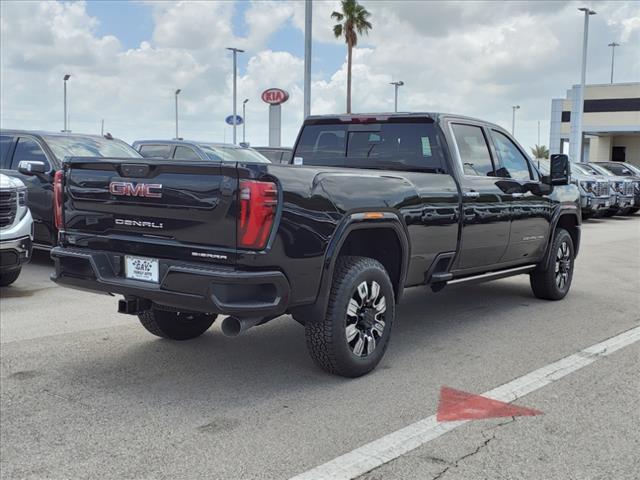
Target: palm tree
x,y
540,151
352,22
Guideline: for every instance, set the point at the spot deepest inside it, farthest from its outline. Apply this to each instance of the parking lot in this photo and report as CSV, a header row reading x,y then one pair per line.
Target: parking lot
x,y
88,393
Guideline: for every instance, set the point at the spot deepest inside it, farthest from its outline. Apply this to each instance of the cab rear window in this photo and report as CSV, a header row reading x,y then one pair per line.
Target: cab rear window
x,y
386,146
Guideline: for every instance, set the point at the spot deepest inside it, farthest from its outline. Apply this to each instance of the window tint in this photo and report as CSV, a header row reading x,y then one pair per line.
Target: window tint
x,y
474,151
402,146
157,151
5,145
185,153
28,149
512,160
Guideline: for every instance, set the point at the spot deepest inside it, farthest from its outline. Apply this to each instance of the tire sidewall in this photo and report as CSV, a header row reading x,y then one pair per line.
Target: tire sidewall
x,y
561,236
356,365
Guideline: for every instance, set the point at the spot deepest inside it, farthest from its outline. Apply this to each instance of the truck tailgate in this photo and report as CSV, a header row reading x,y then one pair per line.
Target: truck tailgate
x,y
176,204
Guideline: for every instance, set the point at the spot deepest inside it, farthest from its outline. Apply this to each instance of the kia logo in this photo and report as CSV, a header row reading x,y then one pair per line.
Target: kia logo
x,y
129,189
275,96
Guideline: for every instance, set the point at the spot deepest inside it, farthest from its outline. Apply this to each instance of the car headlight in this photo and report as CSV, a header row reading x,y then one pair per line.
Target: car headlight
x,y
22,197
588,186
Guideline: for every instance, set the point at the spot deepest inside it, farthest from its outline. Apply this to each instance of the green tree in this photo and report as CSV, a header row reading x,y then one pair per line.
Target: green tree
x,y
353,21
540,151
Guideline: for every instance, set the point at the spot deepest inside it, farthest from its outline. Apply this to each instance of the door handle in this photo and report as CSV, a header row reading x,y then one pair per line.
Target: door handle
x,y
517,195
471,194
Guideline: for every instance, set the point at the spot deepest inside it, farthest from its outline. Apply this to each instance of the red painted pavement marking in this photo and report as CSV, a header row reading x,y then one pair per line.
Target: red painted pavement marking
x,y
458,405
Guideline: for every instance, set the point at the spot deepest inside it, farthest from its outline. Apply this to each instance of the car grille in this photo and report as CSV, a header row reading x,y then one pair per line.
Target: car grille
x,y
601,189
8,206
628,188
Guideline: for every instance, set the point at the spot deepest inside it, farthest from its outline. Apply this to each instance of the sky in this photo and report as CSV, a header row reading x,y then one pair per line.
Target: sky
x,y
127,58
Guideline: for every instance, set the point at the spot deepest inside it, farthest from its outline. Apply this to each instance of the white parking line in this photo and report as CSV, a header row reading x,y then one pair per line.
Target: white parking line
x,y
387,448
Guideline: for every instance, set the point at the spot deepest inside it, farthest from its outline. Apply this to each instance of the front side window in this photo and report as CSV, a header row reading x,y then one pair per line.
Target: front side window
x,y
473,149
385,145
512,160
29,150
185,153
155,151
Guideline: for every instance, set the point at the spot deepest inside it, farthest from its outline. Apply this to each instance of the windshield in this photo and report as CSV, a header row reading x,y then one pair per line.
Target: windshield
x,y
229,154
619,169
598,170
382,145
70,146
584,169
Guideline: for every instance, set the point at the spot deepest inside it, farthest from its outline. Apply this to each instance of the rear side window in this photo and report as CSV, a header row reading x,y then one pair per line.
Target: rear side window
x,y
185,153
5,146
28,149
157,151
474,150
512,160
401,146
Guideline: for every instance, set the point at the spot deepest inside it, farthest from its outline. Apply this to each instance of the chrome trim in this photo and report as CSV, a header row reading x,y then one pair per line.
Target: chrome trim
x,y
497,273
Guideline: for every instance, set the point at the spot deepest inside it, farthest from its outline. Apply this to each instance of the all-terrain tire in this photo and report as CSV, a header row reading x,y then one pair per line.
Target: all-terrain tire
x,y
7,278
327,338
552,281
175,325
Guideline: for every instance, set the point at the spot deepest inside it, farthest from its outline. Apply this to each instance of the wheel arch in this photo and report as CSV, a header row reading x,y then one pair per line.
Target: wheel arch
x,y
570,221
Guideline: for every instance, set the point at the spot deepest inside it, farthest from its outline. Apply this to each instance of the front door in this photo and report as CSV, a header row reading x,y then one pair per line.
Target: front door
x,y
485,208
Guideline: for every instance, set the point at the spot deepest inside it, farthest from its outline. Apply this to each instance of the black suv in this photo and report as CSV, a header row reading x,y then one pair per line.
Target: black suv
x,y
34,157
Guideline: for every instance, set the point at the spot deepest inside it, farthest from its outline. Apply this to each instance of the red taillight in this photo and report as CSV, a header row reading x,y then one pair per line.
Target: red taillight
x,y
58,199
258,201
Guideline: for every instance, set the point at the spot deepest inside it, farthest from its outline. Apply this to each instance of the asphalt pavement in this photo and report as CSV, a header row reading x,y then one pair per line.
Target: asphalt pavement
x,y
86,392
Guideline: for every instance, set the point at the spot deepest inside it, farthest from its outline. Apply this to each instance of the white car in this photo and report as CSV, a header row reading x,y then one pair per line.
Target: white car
x,y
16,229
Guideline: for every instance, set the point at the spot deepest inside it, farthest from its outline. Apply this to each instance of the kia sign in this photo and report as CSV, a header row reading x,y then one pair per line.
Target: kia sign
x,y
275,96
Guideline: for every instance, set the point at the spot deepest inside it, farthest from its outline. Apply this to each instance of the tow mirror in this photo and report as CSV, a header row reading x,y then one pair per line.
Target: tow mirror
x,y
32,167
559,169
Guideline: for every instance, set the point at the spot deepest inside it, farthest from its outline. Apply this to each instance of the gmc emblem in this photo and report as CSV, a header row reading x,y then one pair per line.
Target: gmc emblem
x,y
129,189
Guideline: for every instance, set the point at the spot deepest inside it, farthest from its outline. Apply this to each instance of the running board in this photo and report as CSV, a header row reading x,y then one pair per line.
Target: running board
x,y
484,277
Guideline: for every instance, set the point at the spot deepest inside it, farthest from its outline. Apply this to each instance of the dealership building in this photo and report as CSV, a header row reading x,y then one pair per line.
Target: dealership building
x,y
610,123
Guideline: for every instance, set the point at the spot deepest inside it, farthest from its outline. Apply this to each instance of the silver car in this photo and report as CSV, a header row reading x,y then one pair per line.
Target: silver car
x,y
622,191
16,229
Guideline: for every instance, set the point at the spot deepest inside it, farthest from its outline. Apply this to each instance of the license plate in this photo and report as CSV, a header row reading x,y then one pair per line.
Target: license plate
x,y
140,268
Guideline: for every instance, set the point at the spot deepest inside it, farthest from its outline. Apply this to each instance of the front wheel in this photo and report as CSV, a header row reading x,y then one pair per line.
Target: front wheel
x,y
353,336
553,280
633,211
7,278
175,325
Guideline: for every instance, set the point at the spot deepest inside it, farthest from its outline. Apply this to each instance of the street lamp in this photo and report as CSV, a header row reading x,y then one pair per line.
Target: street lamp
x,y
176,96
396,85
244,119
235,75
65,78
575,141
513,118
613,46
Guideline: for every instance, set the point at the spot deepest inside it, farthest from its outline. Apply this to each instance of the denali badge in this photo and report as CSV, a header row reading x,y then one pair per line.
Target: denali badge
x,y
138,223
129,189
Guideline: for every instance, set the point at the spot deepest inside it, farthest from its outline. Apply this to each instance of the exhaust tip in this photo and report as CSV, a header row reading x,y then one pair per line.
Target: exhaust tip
x,y
231,327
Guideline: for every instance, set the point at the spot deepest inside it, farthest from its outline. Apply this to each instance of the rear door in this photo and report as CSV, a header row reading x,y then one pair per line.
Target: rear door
x,y
166,207
485,208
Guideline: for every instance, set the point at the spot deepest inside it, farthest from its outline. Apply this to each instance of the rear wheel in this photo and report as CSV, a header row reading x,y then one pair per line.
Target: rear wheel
x,y
553,280
7,278
353,336
175,325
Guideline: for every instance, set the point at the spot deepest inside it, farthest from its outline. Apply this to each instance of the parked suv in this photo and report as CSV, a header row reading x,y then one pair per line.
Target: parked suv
x,y
626,170
194,150
34,157
16,229
375,203
595,195
622,190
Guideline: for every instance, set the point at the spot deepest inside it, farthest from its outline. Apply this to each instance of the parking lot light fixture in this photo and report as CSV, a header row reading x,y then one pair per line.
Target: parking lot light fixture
x,y
575,143
65,78
396,85
176,97
613,46
513,118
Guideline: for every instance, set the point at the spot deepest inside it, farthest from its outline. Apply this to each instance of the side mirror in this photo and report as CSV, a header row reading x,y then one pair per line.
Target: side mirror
x,y
32,167
559,169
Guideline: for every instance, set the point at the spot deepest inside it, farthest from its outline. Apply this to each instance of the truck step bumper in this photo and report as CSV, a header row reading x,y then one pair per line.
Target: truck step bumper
x,y
192,287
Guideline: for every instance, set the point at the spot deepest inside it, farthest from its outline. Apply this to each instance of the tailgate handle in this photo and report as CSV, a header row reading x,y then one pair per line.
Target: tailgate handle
x,y
134,170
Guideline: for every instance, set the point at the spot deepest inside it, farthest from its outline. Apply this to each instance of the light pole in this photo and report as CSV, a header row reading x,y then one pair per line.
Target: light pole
x,y
513,118
308,7
235,75
65,78
396,85
613,46
244,119
176,96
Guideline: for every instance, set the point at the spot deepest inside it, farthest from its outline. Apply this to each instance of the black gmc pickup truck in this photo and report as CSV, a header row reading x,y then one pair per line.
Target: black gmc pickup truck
x,y
371,204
